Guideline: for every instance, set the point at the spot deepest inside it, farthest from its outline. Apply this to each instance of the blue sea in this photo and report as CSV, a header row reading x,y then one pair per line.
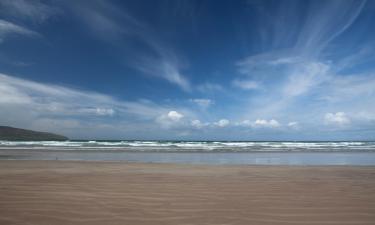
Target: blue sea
x,y
195,152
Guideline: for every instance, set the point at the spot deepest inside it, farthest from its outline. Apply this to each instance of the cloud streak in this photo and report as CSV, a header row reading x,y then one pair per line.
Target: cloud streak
x,y
110,23
299,71
36,11
8,29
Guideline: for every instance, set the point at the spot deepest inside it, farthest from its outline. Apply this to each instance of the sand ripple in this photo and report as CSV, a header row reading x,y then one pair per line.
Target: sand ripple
x,y
48,193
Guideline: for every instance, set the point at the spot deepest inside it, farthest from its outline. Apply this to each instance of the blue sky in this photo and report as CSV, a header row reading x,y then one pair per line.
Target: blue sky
x,y
191,70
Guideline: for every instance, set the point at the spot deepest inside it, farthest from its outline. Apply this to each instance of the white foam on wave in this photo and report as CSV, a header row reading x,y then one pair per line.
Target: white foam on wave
x,y
192,145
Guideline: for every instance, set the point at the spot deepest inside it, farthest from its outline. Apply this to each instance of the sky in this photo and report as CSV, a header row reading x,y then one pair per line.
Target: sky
x,y
189,70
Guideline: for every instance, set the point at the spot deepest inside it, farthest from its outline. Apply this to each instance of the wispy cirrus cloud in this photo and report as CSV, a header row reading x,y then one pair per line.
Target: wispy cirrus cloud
x,y
164,67
36,11
106,21
300,72
309,70
9,29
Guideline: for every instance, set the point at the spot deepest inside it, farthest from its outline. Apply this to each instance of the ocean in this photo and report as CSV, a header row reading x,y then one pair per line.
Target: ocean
x,y
195,152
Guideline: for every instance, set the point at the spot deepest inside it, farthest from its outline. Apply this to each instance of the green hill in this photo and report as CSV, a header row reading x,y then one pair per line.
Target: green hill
x,y
17,134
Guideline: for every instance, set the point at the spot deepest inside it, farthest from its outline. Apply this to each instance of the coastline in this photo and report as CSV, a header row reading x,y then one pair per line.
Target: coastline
x,y
85,192
296,158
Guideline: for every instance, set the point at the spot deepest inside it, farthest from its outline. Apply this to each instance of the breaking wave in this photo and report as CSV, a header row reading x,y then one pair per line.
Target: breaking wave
x,y
191,146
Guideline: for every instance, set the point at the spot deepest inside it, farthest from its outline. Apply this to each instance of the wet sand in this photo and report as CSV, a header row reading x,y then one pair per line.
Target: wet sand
x,y
57,192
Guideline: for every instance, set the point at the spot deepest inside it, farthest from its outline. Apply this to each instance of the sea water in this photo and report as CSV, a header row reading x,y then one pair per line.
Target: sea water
x,y
196,152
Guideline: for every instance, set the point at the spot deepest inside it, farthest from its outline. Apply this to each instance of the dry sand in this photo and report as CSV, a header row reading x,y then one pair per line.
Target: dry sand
x,y
53,192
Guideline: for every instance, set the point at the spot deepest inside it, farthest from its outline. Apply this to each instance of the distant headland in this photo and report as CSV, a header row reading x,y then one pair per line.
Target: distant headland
x,y
17,134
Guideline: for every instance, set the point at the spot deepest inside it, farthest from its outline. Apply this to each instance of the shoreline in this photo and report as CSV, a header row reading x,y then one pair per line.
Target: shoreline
x,y
203,151
197,158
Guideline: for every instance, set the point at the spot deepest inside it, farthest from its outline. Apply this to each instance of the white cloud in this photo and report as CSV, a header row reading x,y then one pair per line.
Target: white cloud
x,y
294,125
339,118
259,123
198,124
172,119
266,123
202,102
246,84
8,29
222,123
175,116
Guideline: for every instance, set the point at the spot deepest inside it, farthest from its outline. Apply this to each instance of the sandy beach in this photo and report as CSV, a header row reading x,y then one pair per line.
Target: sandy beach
x,y
57,192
